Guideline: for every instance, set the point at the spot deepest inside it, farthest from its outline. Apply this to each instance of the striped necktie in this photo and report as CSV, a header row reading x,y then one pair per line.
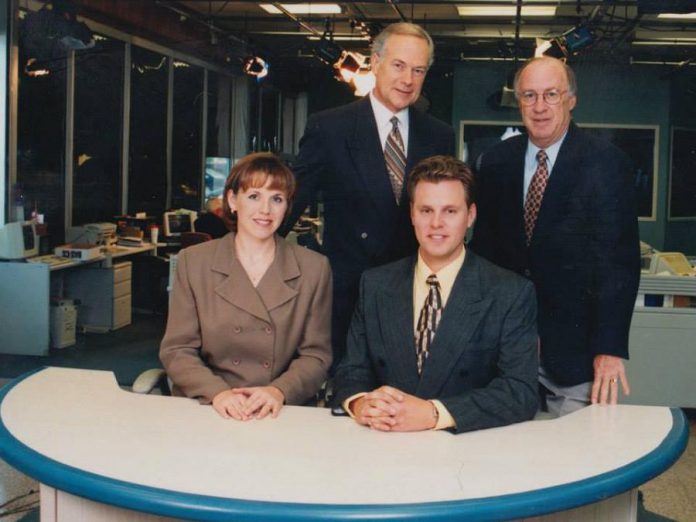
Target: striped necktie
x,y
428,321
395,158
535,194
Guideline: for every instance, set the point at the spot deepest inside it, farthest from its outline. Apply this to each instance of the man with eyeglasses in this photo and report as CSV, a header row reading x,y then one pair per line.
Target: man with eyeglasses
x,y
557,206
358,157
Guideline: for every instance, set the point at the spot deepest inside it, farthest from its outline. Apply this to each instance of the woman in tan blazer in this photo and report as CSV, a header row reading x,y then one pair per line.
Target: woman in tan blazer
x,y
249,326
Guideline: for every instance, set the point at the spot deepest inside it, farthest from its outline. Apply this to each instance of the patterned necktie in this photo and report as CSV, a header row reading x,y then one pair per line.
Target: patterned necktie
x,y
535,193
428,321
395,158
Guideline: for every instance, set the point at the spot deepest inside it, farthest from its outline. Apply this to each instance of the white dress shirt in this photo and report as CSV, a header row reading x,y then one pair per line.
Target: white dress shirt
x,y
530,161
384,125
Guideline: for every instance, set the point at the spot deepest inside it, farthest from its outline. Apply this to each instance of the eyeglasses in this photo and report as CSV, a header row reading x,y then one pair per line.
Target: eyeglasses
x,y
552,97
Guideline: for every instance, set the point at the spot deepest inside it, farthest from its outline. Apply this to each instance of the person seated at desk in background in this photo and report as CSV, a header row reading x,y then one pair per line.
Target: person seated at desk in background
x,y
249,324
444,339
212,221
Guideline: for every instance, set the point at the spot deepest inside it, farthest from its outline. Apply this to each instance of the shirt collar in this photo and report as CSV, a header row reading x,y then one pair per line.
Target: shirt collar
x,y
384,115
445,276
551,152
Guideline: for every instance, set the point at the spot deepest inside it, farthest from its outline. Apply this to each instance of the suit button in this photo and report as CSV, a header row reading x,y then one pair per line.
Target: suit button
x,y
266,364
236,362
363,235
527,272
269,330
237,329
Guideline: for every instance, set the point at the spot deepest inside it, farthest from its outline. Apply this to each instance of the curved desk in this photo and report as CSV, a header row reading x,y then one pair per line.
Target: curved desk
x,y
98,450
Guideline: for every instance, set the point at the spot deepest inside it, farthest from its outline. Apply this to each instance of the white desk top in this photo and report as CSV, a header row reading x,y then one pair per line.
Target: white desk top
x,y
81,419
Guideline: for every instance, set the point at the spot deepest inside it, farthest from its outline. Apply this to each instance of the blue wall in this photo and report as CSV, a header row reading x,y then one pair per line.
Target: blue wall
x,y
607,93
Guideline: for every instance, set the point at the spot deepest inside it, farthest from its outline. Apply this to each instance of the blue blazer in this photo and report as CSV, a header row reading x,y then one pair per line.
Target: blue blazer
x,y
483,360
584,257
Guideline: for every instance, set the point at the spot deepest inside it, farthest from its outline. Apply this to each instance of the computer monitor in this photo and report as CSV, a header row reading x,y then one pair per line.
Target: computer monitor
x,y
175,222
18,240
216,171
674,263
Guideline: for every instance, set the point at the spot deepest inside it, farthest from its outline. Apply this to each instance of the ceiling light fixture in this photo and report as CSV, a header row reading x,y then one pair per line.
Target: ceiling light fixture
x,y
342,38
309,8
528,11
665,42
677,16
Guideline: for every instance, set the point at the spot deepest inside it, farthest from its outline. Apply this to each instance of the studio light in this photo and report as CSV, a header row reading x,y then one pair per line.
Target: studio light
x,y
327,51
255,66
348,65
363,82
569,43
33,68
555,48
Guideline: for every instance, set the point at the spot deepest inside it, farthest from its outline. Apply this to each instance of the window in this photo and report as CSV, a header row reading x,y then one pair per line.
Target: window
x,y
41,130
98,130
186,136
147,180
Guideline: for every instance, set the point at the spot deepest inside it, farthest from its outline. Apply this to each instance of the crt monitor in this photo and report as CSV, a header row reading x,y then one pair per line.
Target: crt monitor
x,y
177,221
674,263
216,171
18,240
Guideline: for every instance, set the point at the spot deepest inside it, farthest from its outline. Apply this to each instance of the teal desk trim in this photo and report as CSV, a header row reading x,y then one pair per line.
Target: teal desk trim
x,y
208,508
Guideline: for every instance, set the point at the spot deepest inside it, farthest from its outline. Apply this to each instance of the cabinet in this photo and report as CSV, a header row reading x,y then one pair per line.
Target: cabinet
x,y
104,294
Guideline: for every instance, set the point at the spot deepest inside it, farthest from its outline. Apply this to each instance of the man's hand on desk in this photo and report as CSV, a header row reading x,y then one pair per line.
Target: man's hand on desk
x,y
389,409
608,372
249,403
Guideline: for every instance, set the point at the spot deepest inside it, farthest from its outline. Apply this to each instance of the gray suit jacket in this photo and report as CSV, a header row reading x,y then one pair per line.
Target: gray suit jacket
x,y
483,360
224,333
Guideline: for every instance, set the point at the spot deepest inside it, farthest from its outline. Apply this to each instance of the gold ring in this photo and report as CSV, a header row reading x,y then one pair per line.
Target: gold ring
x,y
612,381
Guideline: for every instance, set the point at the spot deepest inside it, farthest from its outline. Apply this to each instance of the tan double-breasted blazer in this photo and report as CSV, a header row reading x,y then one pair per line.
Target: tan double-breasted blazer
x,y
223,333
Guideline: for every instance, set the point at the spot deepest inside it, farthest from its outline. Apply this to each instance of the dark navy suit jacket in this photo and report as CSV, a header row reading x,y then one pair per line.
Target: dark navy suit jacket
x,y
584,256
341,156
483,360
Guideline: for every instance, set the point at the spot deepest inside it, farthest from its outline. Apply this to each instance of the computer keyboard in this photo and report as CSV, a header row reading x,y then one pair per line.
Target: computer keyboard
x,y
50,260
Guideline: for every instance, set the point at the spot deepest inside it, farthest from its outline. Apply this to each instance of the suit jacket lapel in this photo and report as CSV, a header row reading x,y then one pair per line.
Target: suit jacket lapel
x,y
515,205
459,321
395,319
273,287
416,140
563,178
365,150
236,288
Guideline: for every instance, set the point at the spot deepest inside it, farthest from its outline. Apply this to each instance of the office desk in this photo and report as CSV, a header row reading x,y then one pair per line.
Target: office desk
x,y
99,450
25,294
661,345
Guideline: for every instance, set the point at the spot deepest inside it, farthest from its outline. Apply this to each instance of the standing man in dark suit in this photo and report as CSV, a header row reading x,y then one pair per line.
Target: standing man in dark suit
x,y
444,339
359,155
558,206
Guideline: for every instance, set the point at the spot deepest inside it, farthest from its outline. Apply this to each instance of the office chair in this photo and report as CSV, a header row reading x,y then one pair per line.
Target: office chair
x,y
193,238
156,377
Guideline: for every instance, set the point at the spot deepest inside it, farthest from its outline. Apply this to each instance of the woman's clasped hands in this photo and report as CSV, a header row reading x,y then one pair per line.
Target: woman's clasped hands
x,y
249,403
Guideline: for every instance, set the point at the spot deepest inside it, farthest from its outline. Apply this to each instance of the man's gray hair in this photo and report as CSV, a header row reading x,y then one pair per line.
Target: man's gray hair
x,y
570,75
406,29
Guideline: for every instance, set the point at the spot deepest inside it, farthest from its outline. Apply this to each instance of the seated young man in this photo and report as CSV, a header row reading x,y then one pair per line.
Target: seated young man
x,y
444,339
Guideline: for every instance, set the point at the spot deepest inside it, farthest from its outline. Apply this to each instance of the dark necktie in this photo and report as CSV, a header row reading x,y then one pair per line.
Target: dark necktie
x,y
535,194
395,158
428,321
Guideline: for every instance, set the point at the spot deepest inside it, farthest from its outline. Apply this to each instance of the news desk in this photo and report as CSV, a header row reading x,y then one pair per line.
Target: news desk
x,y
104,454
25,297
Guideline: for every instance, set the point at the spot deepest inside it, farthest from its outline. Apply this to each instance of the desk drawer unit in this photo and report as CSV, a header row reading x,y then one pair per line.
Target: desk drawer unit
x,y
104,294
